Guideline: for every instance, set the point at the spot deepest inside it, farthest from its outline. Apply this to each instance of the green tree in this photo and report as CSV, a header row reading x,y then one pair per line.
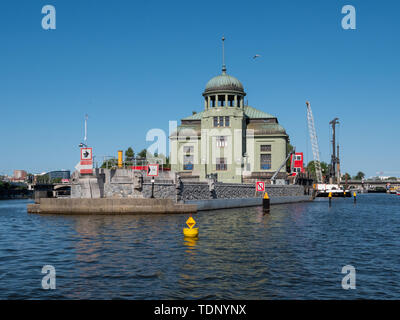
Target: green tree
x,y
107,164
324,169
359,176
43,179
142,154
289,148
346,176
129,154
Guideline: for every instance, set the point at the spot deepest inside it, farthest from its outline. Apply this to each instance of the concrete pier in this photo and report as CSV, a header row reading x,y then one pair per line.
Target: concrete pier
x,y
244,202
109,206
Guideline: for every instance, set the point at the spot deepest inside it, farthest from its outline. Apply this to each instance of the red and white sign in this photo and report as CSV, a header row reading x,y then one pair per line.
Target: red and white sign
x,y
86,154
260,186
152,170
85,166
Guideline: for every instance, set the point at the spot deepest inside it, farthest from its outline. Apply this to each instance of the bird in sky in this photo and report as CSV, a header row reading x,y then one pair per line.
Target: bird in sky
x,y
256,56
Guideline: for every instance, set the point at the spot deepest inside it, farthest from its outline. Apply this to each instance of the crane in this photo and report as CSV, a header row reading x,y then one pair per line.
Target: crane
x,y
314,142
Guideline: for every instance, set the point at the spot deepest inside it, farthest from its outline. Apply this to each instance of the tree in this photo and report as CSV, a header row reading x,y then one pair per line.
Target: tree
x,y
143,154
289,148
346,176
129,154
360,175
324,169
109,163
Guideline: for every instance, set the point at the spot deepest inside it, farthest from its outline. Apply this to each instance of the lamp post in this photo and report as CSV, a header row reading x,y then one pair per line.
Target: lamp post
x,y
152,187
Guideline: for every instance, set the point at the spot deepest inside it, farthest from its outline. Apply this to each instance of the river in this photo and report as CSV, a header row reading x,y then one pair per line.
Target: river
x,y
295,252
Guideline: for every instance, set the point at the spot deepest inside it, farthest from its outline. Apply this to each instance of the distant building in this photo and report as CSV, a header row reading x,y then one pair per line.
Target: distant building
x,y
61,174
19,176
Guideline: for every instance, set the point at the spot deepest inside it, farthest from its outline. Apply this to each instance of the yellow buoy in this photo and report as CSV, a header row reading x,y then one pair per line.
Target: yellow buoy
x,y
330,195
191,232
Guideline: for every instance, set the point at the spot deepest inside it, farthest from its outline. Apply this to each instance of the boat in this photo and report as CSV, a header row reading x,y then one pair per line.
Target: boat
x,y
323,190
394,190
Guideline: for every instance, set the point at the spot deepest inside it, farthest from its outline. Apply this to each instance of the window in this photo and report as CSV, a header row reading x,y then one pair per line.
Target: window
x,y
265,161
226,121
221,164
265,148
297,157
188,157
297,170
187,162
222,141
219,121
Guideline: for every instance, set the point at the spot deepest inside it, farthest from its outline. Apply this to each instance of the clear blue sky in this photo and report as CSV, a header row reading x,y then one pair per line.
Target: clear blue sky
x,y
134,65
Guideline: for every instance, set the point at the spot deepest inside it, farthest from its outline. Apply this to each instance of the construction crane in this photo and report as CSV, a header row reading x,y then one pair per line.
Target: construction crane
x,y
314,142
273,178
335,161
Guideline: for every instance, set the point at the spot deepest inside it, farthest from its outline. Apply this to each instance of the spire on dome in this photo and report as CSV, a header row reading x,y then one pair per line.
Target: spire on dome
x,y
223,56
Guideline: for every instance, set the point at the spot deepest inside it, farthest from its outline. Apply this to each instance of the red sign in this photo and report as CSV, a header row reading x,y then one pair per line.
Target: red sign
x,y
260,186
86,163
86,154
152,170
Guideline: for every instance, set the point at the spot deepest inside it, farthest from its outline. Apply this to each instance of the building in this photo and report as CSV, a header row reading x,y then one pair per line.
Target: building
x,y
237,142
19,176
60,174
297,163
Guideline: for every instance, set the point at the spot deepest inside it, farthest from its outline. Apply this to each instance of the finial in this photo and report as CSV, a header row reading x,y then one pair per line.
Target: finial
x,y
223,56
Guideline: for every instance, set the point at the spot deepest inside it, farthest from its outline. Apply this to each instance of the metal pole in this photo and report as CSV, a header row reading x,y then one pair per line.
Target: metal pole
x,y
152,188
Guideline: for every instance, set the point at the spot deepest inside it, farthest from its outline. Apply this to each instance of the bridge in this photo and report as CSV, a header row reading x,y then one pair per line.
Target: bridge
x,y
51,190
370,184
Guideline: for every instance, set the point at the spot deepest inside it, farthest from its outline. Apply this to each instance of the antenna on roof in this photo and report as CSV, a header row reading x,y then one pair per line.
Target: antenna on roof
x,y
223,56
86,118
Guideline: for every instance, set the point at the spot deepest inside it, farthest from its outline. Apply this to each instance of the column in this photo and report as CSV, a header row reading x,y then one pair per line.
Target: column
x,y
208,102
235,101
226,100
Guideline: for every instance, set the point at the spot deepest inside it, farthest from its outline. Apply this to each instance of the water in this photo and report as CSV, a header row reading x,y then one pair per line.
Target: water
x,y
296,252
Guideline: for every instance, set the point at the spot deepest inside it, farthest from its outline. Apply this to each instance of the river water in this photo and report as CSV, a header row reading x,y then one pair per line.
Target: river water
x,y
295,252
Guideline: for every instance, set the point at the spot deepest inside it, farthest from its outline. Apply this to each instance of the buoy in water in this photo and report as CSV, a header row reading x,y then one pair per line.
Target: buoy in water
x,y
330,198
191,232
266,203
355,197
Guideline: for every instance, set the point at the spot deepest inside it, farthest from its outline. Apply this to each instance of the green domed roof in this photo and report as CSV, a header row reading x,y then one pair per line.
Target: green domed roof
x,y
224,82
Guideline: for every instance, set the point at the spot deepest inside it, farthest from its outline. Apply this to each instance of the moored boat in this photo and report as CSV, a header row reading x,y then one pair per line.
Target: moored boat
x,y
323,190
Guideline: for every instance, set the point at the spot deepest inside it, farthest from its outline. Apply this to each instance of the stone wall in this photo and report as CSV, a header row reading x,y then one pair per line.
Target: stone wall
x,y
161,190
201,191
125,184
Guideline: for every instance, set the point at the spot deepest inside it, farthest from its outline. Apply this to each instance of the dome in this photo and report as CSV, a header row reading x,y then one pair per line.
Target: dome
x,y
224,82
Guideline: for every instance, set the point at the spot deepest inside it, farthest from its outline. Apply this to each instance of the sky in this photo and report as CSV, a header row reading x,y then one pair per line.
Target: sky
x,y
136,65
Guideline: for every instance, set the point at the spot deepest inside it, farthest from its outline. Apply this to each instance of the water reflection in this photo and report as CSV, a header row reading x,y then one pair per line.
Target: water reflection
x,y
296,251
190,242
